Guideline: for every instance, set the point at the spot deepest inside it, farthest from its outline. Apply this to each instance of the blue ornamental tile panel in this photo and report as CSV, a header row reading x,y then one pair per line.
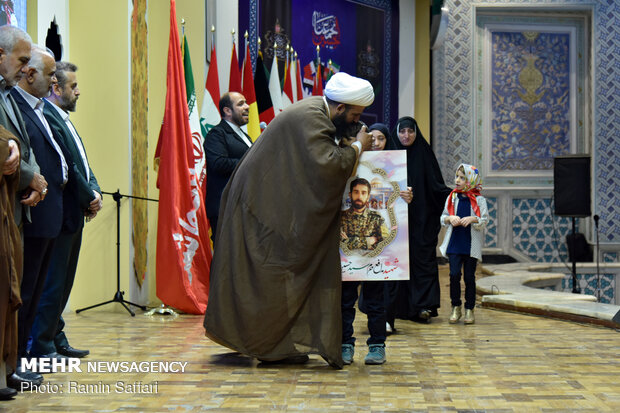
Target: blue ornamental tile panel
x,y
537,233
609,256
455,113
588,284
530,105
490,235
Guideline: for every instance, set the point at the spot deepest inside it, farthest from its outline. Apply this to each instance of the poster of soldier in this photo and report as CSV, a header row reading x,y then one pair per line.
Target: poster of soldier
x,y
374,236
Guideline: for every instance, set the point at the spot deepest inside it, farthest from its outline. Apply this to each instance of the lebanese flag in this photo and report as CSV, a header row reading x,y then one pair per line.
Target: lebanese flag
x,y
210,113
287,94
317,89
234,84
183,256
250,96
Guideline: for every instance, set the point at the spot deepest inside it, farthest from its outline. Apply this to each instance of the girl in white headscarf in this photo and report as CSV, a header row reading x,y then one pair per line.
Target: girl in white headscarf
x,y
465,214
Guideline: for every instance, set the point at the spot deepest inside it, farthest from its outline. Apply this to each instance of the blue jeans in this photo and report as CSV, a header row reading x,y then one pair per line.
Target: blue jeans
x,y
373,304
469,270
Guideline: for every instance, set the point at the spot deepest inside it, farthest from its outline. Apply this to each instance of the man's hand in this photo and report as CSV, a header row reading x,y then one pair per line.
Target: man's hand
x,y
95,205
39,184
31,198
364,138
12,162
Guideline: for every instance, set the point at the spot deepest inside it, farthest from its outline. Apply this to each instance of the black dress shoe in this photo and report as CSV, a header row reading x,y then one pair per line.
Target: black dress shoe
x,y
7,393
29,375
72,352
50,356
21,383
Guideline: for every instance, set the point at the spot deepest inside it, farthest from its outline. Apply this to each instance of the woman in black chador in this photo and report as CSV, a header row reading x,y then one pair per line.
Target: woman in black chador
x,y
418,298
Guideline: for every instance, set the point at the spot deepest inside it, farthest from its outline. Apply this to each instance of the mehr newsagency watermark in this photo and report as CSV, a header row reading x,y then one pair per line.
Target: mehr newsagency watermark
x,y
75,365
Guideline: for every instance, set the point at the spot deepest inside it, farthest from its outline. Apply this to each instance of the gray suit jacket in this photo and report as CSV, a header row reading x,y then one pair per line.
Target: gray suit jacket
x,y
28,165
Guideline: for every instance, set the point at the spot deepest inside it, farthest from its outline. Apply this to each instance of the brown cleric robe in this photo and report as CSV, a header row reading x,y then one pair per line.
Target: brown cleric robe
x,y
275,277
10,258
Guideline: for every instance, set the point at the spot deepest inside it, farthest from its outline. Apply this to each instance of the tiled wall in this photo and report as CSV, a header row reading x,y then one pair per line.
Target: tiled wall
x,y
532,228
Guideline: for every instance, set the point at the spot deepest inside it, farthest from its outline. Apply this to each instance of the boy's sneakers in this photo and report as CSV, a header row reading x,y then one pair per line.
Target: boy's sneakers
x,y
376,354
348,350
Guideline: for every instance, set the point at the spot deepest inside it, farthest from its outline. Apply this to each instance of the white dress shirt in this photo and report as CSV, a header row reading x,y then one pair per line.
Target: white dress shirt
x,y
37,105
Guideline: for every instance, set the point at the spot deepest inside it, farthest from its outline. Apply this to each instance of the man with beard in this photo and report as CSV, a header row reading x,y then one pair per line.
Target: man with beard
x,y
47,218
82,198
15,53
225,145
362,229
275,276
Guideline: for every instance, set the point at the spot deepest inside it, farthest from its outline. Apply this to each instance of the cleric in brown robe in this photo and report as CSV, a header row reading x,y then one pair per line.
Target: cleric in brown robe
x,y
10,258
275,277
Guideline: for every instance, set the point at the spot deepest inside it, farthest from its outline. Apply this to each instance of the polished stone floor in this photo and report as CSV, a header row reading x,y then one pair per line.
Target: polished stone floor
x,y
506,362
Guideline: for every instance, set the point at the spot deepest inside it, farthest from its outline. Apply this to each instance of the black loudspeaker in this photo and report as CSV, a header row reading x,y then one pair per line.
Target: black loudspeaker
x,y
571,185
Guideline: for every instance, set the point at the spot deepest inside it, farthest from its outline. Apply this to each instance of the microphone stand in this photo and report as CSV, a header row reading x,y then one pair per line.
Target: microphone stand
x,y
576,289
118,296
598,272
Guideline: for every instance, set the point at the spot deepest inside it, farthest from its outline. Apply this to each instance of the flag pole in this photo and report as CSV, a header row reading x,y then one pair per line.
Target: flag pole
x,y
245,36
182,27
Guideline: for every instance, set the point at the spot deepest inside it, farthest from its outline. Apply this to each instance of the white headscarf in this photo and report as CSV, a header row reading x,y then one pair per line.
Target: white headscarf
x,y
344,88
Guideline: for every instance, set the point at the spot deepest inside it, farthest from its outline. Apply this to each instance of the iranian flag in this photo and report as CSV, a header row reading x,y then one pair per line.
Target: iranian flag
x,y
183,256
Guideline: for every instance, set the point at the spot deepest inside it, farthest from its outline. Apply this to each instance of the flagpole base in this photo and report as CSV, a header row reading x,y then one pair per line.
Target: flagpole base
x,y
161,310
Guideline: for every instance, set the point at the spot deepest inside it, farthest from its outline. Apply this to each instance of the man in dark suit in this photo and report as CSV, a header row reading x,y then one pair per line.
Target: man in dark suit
x,y
225,145
14,57
15,54
82,198
55,163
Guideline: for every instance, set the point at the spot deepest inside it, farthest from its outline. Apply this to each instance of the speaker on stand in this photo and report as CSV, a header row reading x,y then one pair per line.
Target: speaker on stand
x,y
571,194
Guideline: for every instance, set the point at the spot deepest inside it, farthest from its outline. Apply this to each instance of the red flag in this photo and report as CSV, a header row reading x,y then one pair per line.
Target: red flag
x,y
250,96
183,246
287,92
317,89
234,85
300,88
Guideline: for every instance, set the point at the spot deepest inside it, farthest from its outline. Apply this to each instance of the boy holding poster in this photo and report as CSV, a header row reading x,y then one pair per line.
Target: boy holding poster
x,y
362,229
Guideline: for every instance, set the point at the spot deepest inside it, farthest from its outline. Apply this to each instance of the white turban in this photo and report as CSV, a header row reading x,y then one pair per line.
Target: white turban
x,y
344,88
